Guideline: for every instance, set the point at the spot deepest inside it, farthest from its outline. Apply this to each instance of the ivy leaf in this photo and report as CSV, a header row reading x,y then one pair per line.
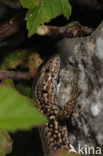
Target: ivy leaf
x,y
15,111
44,12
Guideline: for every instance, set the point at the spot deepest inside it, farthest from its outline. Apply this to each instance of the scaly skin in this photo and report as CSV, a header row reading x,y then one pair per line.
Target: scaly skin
x,y
54,134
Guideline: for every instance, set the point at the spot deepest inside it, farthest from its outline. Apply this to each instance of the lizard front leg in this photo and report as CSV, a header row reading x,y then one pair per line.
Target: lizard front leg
x,y
68,107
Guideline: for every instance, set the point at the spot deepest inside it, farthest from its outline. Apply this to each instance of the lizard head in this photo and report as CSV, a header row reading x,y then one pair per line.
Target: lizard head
x,y
47,78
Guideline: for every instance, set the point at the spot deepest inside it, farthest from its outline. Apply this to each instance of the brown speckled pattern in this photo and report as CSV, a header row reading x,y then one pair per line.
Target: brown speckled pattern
x,y
53,134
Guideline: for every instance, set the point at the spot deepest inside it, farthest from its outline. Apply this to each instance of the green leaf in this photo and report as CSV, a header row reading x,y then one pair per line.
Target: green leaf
x,y
5,143
44,12
73,154
15,111
13,59
23,90
8,82
64,152
30,3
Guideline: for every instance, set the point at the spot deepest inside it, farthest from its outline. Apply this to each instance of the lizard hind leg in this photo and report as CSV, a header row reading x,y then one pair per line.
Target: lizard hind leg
x,y
66,112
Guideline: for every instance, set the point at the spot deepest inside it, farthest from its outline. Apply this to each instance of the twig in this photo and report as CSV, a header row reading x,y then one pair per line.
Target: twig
x,y
8,28
15,75
91,4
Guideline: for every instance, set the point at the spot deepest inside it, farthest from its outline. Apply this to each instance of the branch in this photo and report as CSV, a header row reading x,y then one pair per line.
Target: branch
x,y
12,29
69,31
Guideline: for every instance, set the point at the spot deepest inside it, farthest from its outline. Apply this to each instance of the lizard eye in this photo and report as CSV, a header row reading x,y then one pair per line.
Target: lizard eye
x,y
47,70
44,91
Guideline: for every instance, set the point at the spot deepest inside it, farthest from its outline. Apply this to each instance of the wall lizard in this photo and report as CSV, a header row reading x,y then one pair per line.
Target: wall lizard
x,y
54,134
